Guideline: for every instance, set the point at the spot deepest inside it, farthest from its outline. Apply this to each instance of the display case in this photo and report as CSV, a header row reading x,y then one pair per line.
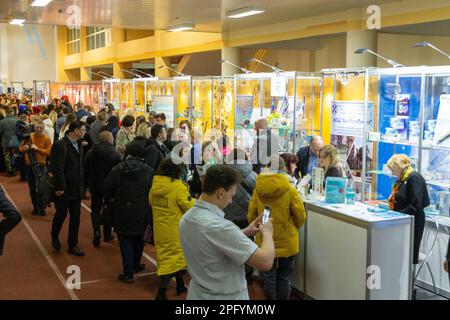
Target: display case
x,y
3,87
223,105
111,93
183,99
17,89
386,112
41,92
144,91
347,115
126,96
291,101
164,100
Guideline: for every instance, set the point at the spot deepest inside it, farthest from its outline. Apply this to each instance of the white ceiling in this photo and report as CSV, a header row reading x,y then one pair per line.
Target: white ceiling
x,y
208,15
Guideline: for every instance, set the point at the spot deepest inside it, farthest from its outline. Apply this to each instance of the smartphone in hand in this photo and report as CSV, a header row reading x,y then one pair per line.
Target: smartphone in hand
x,y
266,215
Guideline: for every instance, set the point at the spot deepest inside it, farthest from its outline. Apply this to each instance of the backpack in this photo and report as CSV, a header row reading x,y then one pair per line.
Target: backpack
x,y
22,130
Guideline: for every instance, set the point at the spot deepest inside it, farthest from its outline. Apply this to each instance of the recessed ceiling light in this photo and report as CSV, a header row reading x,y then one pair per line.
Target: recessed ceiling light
x,y
181,27
40,3
17,22
244,12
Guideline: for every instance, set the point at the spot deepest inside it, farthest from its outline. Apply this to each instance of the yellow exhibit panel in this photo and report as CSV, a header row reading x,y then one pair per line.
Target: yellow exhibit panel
x,y
202,103
223,105
183,98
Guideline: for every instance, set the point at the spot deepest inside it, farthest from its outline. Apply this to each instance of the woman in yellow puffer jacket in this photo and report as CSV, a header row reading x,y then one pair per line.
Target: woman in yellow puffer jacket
x,y
169,199
288,215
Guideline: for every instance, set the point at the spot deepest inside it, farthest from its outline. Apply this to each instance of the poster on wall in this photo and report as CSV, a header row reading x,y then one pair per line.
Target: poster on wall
x,y
164,104
244,109
347,118
442,130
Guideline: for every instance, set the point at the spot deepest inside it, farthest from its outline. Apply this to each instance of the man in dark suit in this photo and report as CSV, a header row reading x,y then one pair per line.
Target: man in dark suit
x,y
66,165
308,157
156,150
12,218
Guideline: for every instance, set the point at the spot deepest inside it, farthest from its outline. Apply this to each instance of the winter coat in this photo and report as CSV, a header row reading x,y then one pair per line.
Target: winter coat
x,y
124,136
287,211
7,130
138,140
155,153
66,165
238,209
169,199
98,163
128,185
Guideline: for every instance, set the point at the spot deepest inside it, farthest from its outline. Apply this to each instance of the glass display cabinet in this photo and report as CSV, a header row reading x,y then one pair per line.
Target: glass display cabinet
x,y
347,114
223,105
144,90
41,92
17,89
111,92
164,99
183,99
126,96
3,87
291,101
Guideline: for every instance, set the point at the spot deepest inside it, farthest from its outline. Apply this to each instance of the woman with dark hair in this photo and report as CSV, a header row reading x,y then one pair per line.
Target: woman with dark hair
x,y
125,134
112,126
290,161
169,198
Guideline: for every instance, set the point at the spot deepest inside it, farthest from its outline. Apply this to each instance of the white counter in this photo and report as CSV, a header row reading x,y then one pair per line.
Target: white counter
x,y
347,252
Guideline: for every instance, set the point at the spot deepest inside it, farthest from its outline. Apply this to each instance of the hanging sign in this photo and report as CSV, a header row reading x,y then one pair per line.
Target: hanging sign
x,y
278,86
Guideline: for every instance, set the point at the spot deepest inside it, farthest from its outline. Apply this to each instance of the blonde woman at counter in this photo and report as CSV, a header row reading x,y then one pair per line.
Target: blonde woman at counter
x,y
409,196
330,162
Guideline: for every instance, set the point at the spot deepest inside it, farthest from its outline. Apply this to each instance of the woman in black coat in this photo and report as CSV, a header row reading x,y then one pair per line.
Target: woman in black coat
x,y
128,185
409,196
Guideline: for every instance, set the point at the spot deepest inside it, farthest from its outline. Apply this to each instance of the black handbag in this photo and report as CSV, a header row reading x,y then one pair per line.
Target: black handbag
x,y
46,189
148,233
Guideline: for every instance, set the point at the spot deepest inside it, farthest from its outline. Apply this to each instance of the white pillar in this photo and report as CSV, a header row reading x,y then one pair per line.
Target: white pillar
x,y
232,55
357,40
4,70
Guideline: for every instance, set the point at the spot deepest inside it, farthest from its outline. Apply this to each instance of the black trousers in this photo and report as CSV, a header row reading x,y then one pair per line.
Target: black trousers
x,y
131,249
11,220
31,178
97,200
73,207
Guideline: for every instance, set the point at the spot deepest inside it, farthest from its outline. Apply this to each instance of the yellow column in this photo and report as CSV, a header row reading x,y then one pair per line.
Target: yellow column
x,y
117,71
357,40
232,55
85,74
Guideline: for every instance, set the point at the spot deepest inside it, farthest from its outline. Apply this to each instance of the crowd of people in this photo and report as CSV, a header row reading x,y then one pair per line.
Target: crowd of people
x,y
203,216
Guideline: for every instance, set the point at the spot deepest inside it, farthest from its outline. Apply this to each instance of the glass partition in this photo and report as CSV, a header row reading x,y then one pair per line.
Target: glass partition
x,y
41,92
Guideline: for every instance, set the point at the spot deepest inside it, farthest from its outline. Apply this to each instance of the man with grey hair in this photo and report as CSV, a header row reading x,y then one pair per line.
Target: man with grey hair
x,y
97,126
267,144
308,157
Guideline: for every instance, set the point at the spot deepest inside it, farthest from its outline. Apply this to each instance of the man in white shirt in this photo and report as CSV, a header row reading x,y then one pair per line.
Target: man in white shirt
x,y
216,250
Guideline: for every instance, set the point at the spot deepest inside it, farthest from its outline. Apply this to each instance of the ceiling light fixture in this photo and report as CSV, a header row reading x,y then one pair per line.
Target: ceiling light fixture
x,y
390,61
427,44
132,73
17,22
244,12
181,27
100,75
236,66
40,3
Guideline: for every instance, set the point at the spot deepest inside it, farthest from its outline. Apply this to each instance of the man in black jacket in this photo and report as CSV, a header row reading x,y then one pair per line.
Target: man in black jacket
x,y
308,157
129,184
99,162
66,165
157,150
12,218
